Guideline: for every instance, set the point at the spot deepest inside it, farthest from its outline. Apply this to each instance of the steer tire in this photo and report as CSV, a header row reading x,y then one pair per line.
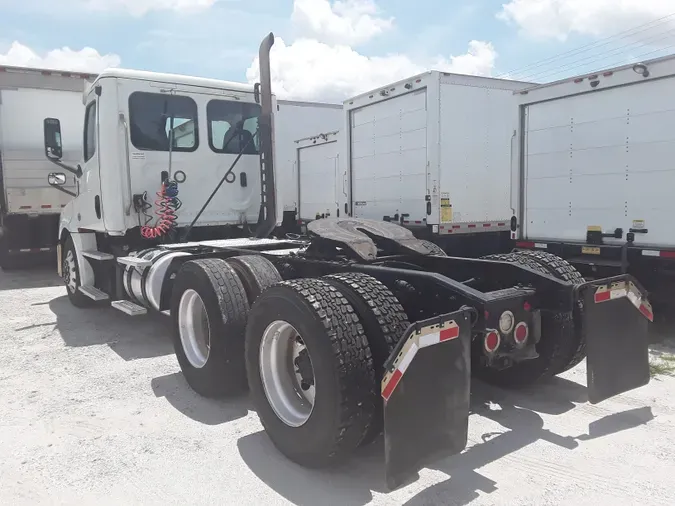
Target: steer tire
x,y
556,348
224,301
69,262
256,274
344,378
384,322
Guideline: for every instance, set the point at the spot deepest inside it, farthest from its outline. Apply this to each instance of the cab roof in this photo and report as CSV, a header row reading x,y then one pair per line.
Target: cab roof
x,y
202,82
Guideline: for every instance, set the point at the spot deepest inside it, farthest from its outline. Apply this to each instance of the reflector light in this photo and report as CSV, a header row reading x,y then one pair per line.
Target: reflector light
x,y
492,341
521,333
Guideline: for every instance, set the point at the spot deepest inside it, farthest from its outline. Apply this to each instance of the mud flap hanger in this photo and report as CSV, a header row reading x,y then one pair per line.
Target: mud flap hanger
x,y
612,315
426,392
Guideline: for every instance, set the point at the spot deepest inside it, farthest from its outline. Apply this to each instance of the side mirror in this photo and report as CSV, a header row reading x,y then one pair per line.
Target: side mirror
x,y
56,179
53,145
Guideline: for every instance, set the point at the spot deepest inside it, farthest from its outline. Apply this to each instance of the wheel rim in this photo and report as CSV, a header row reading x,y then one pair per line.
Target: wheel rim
x,y
70,272
287,373
194,329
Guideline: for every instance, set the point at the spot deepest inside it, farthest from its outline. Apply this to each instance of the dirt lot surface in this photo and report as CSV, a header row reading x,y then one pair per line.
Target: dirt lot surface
x,y
94,410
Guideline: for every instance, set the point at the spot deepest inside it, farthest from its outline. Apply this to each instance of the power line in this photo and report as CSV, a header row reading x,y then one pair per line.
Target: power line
x,y
623,61
593,45
599,57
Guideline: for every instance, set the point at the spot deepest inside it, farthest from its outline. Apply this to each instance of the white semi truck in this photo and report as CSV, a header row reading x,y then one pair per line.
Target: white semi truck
x,y
594,175
29,208
357,329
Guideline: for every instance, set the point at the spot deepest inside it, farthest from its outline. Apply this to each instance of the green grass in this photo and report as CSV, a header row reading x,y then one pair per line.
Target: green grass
x,y
664,365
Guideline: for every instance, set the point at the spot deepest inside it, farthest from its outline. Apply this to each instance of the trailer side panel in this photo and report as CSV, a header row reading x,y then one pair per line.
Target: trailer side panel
x,y
602,159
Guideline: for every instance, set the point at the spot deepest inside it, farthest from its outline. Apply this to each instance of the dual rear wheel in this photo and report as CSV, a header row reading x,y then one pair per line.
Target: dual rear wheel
x,y
311,351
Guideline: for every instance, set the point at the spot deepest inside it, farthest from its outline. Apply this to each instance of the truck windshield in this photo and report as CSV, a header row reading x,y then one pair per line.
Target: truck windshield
x,y
233,127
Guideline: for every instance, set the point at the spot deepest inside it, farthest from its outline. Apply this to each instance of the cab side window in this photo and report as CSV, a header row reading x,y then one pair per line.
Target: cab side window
x,y
90,131
155,118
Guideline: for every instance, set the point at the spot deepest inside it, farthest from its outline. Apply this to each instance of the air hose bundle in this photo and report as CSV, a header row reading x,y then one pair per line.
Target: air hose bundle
x,y
166,206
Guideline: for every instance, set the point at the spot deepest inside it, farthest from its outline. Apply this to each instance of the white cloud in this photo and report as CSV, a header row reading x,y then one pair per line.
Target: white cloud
x,y
141,7
311,70
559,18
340,22
85,60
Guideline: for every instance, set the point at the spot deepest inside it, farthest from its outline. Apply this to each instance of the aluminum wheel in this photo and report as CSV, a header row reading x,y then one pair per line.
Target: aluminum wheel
x,y
287,373
194,329
70,272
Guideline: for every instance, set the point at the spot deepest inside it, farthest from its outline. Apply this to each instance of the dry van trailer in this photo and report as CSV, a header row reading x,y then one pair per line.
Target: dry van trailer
x,y
295,120
321,177
596,172
435,153
29,208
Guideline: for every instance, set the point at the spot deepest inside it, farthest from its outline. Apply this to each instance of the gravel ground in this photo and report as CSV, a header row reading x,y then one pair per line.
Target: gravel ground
x,y
94,410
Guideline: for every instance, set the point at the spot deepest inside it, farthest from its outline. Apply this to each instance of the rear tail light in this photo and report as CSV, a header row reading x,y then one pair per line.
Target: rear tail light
x,y
521,333
492,341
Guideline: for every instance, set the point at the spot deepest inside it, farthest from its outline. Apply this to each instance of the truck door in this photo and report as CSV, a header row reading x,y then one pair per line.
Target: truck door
x,y
90,209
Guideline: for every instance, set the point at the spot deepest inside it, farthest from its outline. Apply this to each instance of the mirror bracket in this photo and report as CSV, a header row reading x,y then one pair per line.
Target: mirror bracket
x,y
64,190
77,171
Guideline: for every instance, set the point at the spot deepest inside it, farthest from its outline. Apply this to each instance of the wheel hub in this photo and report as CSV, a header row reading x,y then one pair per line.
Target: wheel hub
x,y
70,272
287,373
194,328
303,369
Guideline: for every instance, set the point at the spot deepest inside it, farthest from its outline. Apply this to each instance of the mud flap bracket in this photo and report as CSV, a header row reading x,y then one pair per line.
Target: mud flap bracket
x,y
426,391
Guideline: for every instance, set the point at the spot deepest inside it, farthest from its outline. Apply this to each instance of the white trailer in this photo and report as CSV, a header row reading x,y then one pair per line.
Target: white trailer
x,y
295,120
596,171
434,152
29,208
321,178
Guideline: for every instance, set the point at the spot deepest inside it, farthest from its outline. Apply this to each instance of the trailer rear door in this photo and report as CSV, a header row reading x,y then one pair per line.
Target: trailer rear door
x,y
389,157
602,159
320,177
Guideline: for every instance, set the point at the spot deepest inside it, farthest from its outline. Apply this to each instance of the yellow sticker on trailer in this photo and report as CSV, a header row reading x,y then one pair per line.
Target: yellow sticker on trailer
x,y
446,208
589,250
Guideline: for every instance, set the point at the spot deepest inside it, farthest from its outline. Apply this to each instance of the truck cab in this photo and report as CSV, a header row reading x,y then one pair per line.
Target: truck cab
x,y
144,129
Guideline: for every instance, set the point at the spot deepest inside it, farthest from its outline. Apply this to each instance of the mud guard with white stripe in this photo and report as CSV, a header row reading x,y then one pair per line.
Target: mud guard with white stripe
x,y
615,316
426,390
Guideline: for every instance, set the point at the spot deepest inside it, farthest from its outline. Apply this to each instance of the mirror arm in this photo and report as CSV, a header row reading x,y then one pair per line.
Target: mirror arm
x,y
72,194
77,171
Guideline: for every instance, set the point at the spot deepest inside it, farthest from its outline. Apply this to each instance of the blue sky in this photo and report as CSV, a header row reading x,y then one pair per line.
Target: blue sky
x,y
330,49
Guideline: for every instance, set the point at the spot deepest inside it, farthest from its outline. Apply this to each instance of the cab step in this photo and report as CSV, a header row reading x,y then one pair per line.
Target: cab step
x,y
93,293
98,255
128,307
139,263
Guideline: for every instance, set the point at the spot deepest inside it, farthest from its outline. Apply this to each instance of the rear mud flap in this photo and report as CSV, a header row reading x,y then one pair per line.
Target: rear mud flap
x,y
426,391
615,318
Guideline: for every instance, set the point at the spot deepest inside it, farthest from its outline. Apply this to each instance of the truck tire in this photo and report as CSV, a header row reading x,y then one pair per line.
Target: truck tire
x,y
209,310
310,371
557,347
561,269
384,322
434,249
7,262
256,274
70,269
